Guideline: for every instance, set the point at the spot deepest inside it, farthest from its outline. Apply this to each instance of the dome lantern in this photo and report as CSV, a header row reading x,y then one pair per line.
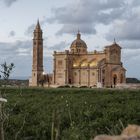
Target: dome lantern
x,y
78,35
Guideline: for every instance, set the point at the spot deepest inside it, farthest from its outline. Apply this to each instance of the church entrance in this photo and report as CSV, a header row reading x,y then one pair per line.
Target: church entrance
x,y
114,80
103,82
70,81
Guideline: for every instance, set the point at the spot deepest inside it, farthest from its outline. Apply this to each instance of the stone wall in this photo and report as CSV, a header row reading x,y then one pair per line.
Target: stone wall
x,y
128,86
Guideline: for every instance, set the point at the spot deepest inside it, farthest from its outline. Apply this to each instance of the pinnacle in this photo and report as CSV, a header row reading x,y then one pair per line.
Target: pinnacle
x,y
38,25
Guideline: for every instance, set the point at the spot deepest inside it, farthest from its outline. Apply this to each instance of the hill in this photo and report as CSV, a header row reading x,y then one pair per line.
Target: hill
x,y
73,113
15,83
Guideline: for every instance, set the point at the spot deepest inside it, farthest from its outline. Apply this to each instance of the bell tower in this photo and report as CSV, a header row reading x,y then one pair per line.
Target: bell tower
x,y
37,67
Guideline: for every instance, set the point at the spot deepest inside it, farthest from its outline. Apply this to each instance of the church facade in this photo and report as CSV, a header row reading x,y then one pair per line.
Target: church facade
x,y
78,67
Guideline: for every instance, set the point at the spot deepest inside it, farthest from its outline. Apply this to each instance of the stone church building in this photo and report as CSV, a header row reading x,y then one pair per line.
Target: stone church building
x,y
78,67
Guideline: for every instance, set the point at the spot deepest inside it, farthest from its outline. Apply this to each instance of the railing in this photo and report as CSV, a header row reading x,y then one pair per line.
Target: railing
x,y
91,52
60,53
96,52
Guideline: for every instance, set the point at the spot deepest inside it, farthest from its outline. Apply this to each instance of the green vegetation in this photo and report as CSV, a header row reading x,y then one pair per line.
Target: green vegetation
x,y
5,70
79,114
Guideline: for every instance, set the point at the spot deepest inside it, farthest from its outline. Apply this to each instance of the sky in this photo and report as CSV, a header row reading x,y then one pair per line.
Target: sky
x,y
99,21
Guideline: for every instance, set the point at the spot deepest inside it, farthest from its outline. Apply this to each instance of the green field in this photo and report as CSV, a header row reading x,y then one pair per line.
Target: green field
x,y
78,114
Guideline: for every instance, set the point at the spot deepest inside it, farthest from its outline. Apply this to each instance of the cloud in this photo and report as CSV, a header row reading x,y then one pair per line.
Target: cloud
x,y
60,46
30,30
72,28
87,14
130,45
15,49
8,3
12,33
135,3
128,29
130,59
120,16
19,53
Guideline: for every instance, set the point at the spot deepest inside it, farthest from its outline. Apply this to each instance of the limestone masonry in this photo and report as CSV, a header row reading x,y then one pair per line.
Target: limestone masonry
x,y
77,66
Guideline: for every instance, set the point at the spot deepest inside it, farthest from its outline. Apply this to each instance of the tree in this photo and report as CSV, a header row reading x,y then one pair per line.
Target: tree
x,y
6,71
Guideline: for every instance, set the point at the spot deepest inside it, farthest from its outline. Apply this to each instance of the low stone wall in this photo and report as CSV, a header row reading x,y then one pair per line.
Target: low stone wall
x,y
132,132
128,86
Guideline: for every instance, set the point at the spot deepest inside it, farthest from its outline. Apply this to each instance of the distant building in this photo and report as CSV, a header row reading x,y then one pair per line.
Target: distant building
x,y
77,66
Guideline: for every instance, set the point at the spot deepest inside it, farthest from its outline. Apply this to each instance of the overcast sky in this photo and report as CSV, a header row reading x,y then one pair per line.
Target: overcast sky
x,y
99,21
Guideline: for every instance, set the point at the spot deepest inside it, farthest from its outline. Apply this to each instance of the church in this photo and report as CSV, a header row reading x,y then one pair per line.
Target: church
x,y
77,66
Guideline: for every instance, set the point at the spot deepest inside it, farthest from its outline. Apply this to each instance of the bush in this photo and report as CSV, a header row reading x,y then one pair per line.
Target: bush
x,y
65,86
83,87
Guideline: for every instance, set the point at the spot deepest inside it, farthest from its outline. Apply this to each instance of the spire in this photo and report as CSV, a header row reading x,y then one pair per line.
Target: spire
x,y
38,32
114,40
78,31
38,25
78,35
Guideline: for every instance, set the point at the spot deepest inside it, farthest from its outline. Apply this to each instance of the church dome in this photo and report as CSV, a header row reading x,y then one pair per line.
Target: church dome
x,y
78,45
